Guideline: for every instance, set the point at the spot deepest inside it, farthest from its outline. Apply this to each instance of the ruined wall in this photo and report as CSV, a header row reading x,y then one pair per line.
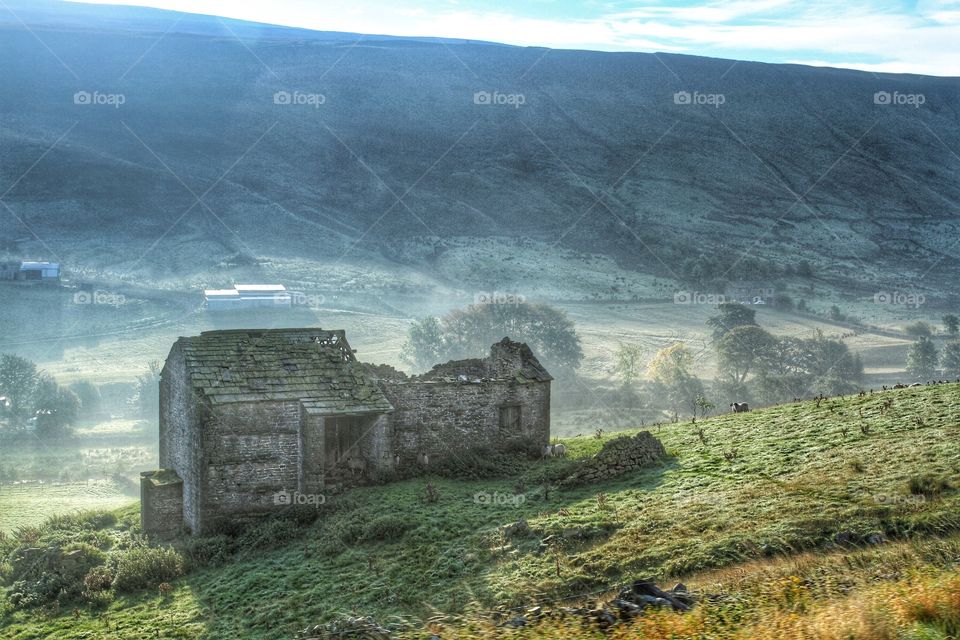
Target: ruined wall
x,y
181,438
441,417
252,453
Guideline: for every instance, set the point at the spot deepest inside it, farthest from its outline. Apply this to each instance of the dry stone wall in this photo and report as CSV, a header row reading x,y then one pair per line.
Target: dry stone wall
x,y
617,457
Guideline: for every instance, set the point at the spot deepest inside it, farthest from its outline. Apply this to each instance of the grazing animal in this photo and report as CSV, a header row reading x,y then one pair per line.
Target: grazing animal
x,y
739,407
423,459
547,451
357,466
559,450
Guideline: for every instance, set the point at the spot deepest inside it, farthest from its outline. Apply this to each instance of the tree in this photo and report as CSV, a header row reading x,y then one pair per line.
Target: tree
x,y
952,324
919,329
425,345
146,398
922,360
950,360
731,315
672,378
54,407
629,363
468,333
744,350
90,398
18,380
800,366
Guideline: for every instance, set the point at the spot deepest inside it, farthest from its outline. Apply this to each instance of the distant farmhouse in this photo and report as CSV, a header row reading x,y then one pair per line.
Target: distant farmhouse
x,y
750,292
249,418
30,271
247,296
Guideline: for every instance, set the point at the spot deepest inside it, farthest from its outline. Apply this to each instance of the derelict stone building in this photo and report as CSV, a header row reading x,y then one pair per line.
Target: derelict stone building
x,y
250,415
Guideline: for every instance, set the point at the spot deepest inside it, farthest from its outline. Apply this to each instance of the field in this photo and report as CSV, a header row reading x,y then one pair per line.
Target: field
x,y
98,468
796,510
111,336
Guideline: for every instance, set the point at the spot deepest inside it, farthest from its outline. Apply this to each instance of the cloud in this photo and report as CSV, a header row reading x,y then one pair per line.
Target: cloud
x,y
879,35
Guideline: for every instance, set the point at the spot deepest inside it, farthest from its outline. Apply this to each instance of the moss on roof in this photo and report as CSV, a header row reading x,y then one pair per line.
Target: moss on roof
x,y
314,366
161,477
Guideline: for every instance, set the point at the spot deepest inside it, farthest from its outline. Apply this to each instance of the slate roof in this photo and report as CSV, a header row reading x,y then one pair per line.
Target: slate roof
x,y
532,370
315,366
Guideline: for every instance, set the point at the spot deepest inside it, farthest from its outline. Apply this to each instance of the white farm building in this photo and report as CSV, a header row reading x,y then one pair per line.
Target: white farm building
x,y
247,296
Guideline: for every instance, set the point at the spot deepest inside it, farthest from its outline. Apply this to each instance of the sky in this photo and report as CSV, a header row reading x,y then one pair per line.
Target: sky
x,y
922,36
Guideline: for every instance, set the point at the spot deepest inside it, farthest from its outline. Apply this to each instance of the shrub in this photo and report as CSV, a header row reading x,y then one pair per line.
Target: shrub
x,y
144,567
98,579
211,551
388,527
927,485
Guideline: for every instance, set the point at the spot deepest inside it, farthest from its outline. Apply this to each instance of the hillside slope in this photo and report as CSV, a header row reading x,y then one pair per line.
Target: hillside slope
x,y
851,473
399,163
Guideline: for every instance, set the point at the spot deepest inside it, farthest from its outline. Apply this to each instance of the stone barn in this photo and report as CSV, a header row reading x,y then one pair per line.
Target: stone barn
x,y
252,421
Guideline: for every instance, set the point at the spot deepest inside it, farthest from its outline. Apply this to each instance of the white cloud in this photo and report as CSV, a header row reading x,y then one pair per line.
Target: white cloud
x,y
876,36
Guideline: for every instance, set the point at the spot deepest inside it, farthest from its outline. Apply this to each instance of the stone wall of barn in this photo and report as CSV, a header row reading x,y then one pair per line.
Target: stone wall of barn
x,y
181,438
440,417
251,459
161,499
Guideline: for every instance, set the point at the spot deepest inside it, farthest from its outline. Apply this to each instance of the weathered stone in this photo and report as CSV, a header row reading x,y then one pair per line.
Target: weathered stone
x,y
253,421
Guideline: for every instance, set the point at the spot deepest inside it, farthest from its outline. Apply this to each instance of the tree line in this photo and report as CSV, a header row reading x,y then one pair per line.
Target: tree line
x,y
31,400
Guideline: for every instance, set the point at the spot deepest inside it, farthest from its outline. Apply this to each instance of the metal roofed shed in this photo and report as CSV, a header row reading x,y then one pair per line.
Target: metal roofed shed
x,y
247,296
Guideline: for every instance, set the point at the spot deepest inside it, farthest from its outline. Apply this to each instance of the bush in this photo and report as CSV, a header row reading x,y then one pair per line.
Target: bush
x,y
98,579
45,575
481,464
144,567
927,485
211,551
385,528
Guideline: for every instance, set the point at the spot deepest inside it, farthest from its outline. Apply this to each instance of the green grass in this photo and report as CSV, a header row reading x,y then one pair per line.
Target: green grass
x,y
803,479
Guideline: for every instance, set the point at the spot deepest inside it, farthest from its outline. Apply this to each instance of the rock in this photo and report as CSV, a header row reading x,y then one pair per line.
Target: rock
x,y
518,528
877,538
516,622
627,609
603,618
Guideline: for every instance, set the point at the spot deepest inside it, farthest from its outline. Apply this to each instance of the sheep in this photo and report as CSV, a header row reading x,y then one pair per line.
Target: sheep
x,y
739,407
559,451
423,459
547,451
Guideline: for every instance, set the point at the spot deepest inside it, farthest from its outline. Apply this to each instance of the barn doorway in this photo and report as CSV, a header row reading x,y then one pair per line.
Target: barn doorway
x,y
341,440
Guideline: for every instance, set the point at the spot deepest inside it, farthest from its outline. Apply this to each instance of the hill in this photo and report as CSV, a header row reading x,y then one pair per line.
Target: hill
x,y
222,148
813,516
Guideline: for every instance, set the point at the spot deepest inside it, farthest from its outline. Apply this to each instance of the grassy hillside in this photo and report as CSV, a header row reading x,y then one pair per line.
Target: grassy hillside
x,y
801,515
